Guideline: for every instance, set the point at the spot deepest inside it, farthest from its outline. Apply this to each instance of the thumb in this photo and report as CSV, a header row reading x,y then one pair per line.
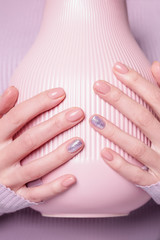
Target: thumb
x,y
155,68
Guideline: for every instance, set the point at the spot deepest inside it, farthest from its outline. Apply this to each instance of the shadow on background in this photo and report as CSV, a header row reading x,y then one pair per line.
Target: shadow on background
x,y
142,224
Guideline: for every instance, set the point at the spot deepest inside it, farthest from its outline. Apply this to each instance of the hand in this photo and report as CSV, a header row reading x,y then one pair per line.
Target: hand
x,y
12,151
138,114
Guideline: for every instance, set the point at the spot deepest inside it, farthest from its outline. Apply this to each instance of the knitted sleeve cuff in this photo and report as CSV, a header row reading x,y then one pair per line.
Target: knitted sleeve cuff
x,y
11,202
153,190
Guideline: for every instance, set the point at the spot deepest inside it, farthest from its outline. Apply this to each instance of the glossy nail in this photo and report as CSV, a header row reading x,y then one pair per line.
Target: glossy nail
x,y
56,93
101,87
7,91
98,122
121,68
107,155
68,181
74,115
74,146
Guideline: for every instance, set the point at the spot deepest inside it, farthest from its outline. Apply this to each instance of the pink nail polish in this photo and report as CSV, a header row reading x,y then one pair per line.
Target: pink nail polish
x,y
121,68
68,181
101,87
74,115
56,93
7,91
107,155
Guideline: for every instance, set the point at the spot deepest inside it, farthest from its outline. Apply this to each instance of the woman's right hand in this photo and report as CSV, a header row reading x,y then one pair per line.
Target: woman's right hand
x,y
12,118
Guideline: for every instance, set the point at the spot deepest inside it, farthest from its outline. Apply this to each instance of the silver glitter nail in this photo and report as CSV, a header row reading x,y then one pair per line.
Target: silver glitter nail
x,y
98,122
74,146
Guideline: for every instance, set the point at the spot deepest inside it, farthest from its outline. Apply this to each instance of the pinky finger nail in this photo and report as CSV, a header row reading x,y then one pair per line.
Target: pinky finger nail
x,y
107,155
68,182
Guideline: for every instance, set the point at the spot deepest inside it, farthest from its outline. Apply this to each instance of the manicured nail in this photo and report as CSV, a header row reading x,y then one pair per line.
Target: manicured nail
x,y
74,115
68,181
98,122
102,87
56,93
121,68
107,155
74,146
7,91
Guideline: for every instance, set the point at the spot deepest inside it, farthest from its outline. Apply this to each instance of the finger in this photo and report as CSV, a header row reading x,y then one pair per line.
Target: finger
x,y
134,111
8,100
127,170
131,145
155,68
40,134
145,89
49,190
40,167
27,110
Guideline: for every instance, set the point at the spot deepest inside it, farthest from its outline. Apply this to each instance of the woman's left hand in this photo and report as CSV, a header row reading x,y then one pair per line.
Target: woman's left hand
x,y
142,117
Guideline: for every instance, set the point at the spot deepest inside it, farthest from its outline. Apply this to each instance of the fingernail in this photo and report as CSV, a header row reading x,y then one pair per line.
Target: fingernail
x,y
68,181
74,115
7,90
107,155
121,68
102,87
74,146
56,93
98,122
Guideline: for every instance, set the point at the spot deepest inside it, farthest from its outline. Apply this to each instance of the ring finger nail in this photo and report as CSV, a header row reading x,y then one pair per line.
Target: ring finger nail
x,y
74,146
98,122
74,115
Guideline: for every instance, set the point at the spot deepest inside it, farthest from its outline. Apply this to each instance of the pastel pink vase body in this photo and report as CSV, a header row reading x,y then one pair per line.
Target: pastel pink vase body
x,y
78,43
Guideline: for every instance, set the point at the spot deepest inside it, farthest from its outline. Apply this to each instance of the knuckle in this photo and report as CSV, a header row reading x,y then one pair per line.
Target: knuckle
x,y
56,188
138,178
118,166
116,95
135,76
42,101
32,197
139,150
14,118
145,118
27,141
111,131
57,124
60,156
156,96
29,173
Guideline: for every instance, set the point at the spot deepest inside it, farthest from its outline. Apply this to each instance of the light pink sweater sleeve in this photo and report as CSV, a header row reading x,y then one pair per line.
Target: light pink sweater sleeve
x,y
11,202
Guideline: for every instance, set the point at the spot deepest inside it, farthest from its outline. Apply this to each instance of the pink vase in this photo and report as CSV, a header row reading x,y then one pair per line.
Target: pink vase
x,y
78,43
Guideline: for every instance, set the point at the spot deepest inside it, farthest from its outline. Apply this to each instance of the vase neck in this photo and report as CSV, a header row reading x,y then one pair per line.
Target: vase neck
x,y
84,12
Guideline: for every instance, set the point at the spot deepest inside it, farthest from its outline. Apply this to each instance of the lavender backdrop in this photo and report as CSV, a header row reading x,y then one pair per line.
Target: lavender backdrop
x,y
143,223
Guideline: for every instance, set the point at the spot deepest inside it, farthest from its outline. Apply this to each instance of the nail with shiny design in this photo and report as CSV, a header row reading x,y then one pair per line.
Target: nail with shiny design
x,y
98,122
74,115
56,93
74,146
